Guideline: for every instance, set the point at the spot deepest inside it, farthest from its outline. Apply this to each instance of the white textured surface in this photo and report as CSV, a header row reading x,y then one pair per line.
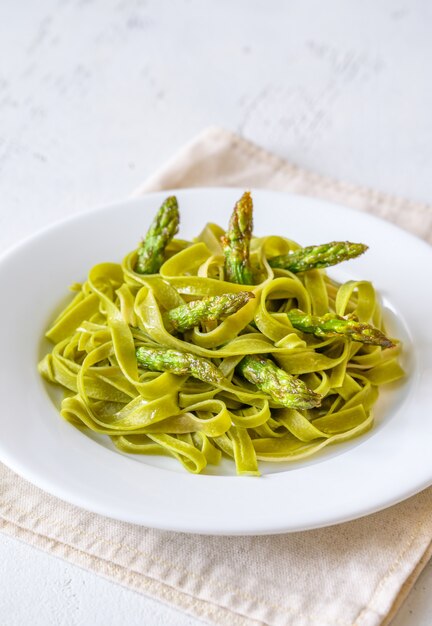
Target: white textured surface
x,y
94,95
69,596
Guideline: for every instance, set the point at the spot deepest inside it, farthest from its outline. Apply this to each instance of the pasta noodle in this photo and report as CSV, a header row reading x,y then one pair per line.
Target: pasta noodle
x,y
118,310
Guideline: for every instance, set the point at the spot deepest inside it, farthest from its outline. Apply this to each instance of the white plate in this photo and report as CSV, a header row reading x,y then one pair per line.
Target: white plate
x,y
389,464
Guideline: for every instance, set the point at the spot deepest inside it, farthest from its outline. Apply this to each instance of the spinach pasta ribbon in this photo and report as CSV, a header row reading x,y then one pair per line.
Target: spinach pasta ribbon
x,y
118,310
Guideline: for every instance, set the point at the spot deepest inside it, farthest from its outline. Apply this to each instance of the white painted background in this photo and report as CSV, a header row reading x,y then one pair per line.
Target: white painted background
x,y
94,95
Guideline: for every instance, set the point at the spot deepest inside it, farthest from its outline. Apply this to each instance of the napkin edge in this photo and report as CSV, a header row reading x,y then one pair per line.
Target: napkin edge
x,y
156,182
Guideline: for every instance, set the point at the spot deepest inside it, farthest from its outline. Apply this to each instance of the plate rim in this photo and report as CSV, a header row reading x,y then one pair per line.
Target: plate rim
x,y
57,491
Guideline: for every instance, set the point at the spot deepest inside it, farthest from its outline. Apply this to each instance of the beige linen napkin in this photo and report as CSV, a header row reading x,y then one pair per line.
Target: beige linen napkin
x,y
353,574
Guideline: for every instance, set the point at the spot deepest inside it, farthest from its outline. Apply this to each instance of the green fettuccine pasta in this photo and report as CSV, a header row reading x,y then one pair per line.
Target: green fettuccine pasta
x,y
118,310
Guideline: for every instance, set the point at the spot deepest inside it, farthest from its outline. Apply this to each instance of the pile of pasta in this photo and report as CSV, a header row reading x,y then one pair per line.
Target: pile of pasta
x,y
117,310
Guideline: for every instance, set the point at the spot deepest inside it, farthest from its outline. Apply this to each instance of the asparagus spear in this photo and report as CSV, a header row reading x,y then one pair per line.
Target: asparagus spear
x,y
330,325
236,242
206,310
281,386
314,257
151,253
181,363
